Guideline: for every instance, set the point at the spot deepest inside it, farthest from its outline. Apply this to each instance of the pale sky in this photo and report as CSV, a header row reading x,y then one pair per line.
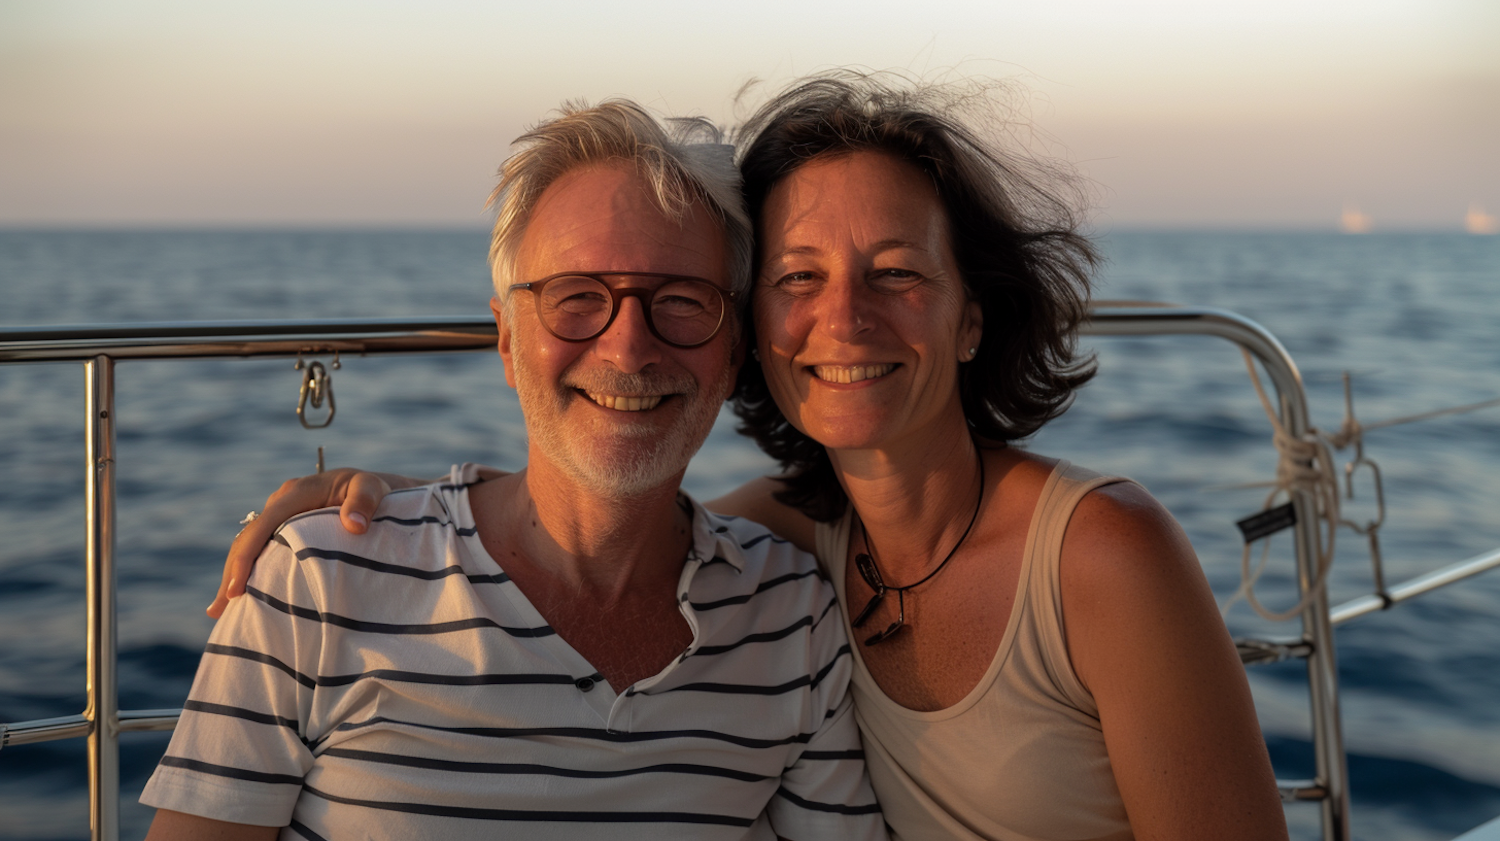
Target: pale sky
x,y
1185,113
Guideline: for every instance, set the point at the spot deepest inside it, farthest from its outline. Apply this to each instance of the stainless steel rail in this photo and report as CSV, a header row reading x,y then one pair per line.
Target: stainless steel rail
x,y
99,346
185,340
1330,787
1425,583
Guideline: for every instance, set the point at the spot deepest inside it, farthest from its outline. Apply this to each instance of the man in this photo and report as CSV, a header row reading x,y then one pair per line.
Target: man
x,y
575,650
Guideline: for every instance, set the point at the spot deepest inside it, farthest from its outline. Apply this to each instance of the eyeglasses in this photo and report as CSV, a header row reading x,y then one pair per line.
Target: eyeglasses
x,y
682,311
866,566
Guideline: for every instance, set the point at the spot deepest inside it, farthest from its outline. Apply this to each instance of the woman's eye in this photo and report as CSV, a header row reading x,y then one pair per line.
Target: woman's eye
x,y
795,282
895,280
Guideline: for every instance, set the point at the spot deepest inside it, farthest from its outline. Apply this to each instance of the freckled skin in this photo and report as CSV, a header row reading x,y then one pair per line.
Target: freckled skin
x,y
857,271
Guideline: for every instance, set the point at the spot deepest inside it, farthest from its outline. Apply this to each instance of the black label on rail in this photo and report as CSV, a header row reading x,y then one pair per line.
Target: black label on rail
x,y
1268,522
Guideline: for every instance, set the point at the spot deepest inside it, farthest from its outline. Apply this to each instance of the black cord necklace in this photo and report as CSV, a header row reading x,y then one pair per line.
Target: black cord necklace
x,y
865,563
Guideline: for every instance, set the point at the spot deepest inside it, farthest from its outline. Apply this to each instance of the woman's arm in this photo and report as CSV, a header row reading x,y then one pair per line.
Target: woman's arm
x,y
1147,640
180,826
356,492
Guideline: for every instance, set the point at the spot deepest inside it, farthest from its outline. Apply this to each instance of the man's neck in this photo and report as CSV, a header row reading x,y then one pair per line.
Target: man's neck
x,y
592,543
602,571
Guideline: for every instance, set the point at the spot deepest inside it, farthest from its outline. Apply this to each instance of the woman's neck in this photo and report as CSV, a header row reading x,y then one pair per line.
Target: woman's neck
x,y
912,500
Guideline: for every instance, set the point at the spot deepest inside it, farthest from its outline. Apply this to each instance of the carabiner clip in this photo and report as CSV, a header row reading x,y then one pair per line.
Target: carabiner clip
x,y
317,386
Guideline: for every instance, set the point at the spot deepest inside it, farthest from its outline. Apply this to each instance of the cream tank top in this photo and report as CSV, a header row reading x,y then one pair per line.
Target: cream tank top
x,y
1022,757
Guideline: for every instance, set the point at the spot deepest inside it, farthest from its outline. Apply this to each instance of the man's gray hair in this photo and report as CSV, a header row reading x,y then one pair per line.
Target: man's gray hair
x,y
684,160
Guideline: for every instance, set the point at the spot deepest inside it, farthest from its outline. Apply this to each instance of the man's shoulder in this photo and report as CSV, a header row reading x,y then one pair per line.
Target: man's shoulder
x,y
407,527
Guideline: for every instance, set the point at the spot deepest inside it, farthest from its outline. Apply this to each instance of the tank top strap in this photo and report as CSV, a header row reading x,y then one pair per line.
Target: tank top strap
x,y
1042,572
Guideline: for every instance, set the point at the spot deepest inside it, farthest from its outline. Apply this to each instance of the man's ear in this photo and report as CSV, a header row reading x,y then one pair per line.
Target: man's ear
x,y
504,344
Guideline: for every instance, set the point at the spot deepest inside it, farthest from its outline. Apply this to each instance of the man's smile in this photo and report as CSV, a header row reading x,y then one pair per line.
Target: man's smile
x,y
623,402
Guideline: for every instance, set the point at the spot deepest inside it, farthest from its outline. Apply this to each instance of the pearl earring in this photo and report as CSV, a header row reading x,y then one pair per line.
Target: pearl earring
x,y
973,352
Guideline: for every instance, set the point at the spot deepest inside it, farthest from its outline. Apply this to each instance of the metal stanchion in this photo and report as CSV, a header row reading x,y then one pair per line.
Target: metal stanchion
x,y
103,696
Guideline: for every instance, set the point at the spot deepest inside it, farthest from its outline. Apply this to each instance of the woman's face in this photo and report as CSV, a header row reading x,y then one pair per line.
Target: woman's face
x,y
861,314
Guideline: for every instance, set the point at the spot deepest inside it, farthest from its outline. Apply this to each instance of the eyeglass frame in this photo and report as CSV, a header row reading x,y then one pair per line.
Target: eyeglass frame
x,y
617,295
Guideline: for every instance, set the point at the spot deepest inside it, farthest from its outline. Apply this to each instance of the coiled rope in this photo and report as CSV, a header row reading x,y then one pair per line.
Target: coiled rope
x,y
1305,464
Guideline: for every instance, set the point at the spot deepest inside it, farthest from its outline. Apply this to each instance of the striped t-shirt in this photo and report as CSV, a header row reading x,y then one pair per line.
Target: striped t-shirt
x,y
398,685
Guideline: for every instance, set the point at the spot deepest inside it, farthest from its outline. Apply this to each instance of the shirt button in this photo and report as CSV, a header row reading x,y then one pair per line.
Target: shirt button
x,y
584,684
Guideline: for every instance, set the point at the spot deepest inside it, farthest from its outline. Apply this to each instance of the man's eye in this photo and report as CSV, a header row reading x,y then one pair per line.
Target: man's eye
x,y
584,302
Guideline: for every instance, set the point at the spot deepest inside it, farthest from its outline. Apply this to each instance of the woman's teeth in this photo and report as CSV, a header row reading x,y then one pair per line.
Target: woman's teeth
x,y
851,373
625,404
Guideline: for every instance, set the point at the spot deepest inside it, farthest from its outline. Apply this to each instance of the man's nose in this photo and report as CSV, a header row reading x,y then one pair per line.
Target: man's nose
x,y
629,343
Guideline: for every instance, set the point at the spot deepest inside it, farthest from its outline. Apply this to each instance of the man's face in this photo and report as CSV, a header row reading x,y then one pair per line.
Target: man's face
x,y
623,412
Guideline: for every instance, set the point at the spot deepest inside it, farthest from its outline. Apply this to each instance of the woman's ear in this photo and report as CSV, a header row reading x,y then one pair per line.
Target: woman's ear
x,y
971,331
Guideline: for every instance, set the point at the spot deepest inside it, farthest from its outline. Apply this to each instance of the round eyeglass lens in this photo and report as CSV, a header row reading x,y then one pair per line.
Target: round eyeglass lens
x,y
686,312
575,307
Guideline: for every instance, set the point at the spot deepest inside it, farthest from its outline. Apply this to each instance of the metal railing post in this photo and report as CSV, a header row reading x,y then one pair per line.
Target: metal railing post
x,y
103,696
1322,665
1332,768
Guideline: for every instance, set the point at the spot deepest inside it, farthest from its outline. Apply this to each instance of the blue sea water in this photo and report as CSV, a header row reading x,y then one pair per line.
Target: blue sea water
x,y
1410,315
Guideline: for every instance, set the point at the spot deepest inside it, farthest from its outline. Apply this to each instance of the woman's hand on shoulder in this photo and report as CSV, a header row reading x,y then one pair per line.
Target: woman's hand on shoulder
x,y
754,500
1146,639
357,493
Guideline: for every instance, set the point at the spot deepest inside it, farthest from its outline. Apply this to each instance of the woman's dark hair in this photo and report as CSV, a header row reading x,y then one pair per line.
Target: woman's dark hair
x,y
1016,242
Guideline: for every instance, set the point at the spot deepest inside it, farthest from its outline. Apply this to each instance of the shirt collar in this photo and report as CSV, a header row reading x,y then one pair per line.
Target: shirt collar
x,y
712,540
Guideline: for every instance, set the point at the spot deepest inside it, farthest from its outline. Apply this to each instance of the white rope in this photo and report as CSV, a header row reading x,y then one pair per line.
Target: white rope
x,y
1436,413
1305,465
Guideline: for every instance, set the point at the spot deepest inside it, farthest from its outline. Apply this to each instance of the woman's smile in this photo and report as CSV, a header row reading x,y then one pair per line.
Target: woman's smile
x,y
850,373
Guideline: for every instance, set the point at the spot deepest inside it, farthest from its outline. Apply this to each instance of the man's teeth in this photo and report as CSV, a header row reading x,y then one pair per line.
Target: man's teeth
x,y
625,404
851,373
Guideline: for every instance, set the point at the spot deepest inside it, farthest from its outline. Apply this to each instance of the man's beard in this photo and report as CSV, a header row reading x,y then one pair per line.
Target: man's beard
x,y
626,459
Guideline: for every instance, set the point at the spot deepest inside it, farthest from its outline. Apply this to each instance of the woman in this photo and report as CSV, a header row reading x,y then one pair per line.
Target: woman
x,y
1037,653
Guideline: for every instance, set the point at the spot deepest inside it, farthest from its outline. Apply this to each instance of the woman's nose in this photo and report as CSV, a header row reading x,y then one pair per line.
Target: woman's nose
x,y
844,307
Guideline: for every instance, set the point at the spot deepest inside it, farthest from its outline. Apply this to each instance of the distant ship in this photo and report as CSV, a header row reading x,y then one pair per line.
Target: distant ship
x,y
1476,221
1353,220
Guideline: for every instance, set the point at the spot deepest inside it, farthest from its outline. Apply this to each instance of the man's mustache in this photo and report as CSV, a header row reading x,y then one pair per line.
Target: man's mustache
x,y
618,383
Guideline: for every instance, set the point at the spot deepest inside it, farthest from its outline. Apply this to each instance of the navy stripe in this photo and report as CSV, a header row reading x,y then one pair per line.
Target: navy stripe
x,y
247,654
395,674
586,733
765,585
447,680
832,754
536,815
303,831
544,770
390,628
752,689
836,808
226,771
769,636
242,713
763,538
369,563
429,520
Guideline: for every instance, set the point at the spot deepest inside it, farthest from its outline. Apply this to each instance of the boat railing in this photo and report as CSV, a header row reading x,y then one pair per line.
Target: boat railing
x,y
99,347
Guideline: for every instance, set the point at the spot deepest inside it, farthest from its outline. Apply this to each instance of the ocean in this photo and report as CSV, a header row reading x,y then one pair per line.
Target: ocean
x,y
1410,315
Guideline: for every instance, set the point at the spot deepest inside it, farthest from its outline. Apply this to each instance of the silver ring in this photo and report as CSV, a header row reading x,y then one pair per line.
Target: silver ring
x,y
249,518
